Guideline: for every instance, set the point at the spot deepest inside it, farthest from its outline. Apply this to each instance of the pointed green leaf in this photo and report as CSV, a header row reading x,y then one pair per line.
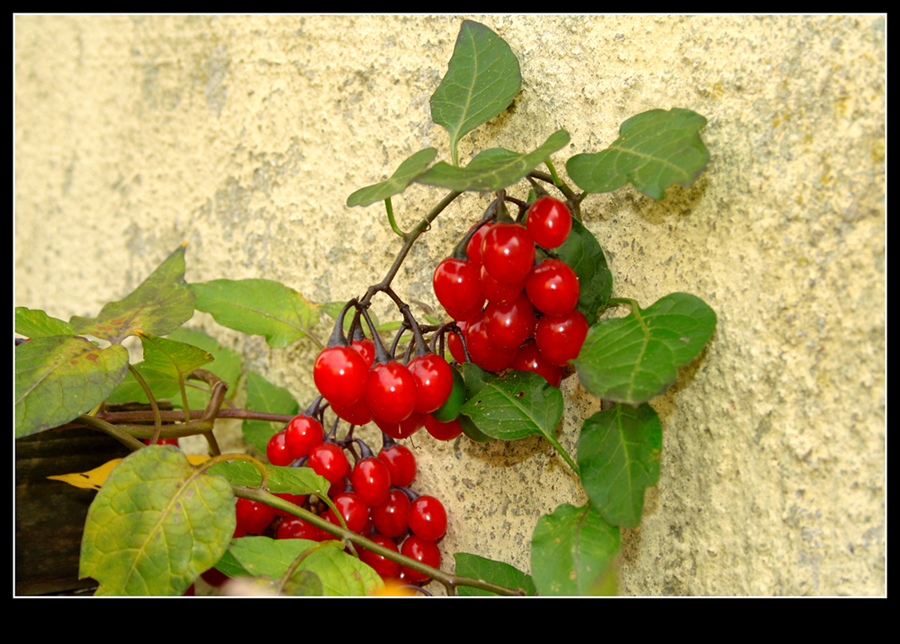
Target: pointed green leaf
x,y
162,303
155,525
494,572
227,365
635,358
173,358
341,574
573,552
654,150
618,453
397,183
263,396
481,81
258,307
163,386
295,480
34,323
60,377
492,169
582,252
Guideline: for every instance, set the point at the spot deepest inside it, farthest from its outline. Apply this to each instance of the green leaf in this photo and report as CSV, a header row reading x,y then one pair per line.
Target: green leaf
x,y
155,525
654,150
162,303
573,552
636,358
618,453
258,307
294,480
170,357
520,404
227,365
492,169
481,81
263,396
582,252
404,175
34,323
341,574
60,377
495,572
162,385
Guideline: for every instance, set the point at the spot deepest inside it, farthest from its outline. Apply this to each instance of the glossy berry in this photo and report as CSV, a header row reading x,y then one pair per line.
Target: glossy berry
x,y
457,286
442,431
329,460
366,348
302,433
391,518
403,429
390,391
340,374
434,381
371,480
427,517
356,414
386,568
509,325
252,517
401,463
507,252
294,527
549,222
483,350
498,292
473,249
277,450
552,287
529,358
423,551
559,339
354,511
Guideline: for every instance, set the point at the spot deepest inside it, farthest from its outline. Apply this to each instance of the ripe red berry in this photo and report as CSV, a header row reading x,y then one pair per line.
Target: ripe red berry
x,y
549,222
509,325
507,252
498,292
252,517
329,460
427,517
340,374
405,428
277,450
529,358
391,518
293,527
457,286
302,433
483,350
354,511
423,551
442,431
559,339
553,287
434,381
401,462
356,414
390,391
473,249
371,480
365,348
386,568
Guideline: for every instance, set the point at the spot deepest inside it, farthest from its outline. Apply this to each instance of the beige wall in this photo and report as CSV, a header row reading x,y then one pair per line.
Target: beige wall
x,y
244,136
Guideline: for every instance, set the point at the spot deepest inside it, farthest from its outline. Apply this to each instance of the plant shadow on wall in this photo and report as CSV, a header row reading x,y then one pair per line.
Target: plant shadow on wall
x,y
522,291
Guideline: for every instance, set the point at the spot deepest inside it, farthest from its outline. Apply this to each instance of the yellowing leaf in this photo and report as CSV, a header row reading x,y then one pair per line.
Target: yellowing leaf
x,y
95,478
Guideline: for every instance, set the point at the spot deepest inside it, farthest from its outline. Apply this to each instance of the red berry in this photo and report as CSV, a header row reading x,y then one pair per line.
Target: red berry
x,y
386,568
457,286
296,499
507,252
391,518
294,527
405,428
391,391
371,480
252,517
401,462
553,287
549,222
365,348
423,551
356,414
498,292
483,350
529,358
340,375
277,450
559,339
442,431
329,460
302,434
509,325
455,344
473,249
352,508
434,380
427,518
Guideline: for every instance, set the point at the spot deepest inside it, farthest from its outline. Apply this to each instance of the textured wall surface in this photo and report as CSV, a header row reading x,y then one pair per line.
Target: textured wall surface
x,y
244,136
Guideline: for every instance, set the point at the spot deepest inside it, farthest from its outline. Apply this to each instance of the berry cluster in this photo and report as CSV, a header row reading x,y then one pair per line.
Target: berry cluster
x,y
372,497
516,310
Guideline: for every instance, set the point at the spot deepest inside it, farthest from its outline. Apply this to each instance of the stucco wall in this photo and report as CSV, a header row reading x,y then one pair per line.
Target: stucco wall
x,y
244,136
